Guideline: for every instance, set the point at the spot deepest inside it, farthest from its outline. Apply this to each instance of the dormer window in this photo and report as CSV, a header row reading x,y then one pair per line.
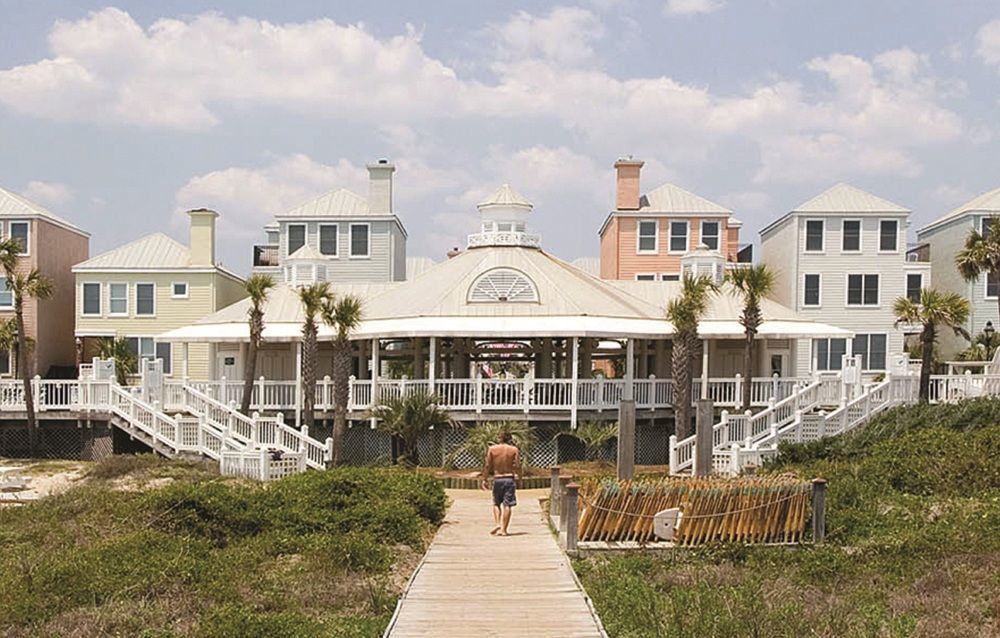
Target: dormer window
x,y
503,285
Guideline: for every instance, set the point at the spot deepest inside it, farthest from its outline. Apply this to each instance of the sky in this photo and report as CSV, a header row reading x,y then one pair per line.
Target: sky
x,y
120,117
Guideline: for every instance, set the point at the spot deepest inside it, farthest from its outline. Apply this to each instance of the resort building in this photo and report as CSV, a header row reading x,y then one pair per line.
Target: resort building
x,y
52,245
152,285
645,236
940,241
339,237
841,258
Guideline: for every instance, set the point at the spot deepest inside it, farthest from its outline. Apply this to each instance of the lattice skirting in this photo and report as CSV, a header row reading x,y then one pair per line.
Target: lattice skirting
x,y
57,440
365,446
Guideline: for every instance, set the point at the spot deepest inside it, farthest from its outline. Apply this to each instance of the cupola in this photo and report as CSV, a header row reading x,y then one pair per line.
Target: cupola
x,y
504,219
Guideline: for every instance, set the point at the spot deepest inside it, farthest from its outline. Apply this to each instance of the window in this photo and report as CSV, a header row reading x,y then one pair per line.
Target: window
x,y
91,299
914,282
828,353
141,348
5,366
710,234
6,296
164,351
985,224
118,299
647,236
888,231
872,348
503,285
360,244
145,299
814,235
645,277
487,227
851,241
670,277
505,227
810,287
19,233
862,290
678,237
179,290
296,237
992,287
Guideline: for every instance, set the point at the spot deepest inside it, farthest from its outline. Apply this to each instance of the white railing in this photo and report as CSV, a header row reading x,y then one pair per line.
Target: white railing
x,y
261,465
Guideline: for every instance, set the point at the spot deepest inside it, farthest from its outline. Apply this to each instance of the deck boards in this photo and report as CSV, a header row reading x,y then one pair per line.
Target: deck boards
x,y
474,584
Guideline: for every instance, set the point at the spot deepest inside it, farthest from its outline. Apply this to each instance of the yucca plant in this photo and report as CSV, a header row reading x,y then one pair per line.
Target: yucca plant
x,y
594,436
117,349
479,438
408,417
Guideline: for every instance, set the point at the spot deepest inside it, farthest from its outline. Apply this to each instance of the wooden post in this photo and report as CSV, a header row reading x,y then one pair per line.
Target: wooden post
x,y
819,510
432,367
554,495
564,481
629,370
703,444
569,504
626,439
575,387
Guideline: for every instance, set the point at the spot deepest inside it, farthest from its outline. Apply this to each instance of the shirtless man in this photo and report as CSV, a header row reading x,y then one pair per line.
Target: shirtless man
x,y
503,461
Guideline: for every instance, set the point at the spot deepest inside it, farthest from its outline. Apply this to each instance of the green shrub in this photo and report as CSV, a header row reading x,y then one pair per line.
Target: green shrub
x,y
214,510
239,621
118,465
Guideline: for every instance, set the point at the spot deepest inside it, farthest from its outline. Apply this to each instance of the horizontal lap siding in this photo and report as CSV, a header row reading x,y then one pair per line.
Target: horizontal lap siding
x,y
344,268
620,260
945,243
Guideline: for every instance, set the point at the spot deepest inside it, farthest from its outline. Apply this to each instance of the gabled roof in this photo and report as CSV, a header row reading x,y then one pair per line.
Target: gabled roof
x,y
14,205
506,196
307,252
336,203
987,203
670,198
844,198
152,251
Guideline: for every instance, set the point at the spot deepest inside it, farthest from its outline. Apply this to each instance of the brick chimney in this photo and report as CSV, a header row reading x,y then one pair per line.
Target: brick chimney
x,y
202,236
627,183
380,187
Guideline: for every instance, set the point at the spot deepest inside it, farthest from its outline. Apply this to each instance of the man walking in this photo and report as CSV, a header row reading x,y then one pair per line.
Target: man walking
x,y
503,462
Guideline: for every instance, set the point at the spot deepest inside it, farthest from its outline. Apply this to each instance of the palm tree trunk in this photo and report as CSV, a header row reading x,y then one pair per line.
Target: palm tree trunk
x,y
341,395
926,352
681,371
309,374
25,372
748,370
249,375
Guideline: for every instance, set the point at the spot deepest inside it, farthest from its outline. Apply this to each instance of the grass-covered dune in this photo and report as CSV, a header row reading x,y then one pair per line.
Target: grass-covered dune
x,y
913,517
144,547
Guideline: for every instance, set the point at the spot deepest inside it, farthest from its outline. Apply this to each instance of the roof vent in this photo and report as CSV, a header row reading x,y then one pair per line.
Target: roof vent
x,y
503,285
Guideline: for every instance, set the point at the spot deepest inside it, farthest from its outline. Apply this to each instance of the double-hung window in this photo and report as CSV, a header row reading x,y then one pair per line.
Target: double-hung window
x,y
6,296
828,353
888,235
145,300
296,237
851,236
360,240
646,242
872,348
19,233
914,282
710,234
810,294
164,351
814,235
91,304
678,237
328,239
862,290
118,300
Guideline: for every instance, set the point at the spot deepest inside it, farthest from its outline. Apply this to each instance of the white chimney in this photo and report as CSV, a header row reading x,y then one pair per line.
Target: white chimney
x,y
202,236
380,187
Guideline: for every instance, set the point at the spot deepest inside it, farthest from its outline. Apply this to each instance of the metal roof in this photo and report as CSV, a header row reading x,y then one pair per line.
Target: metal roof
x,y
307,252
14,205
988,203
844,198
336,203
670,198
506,196
152,251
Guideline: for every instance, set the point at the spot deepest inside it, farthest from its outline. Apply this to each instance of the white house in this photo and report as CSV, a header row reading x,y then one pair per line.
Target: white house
x,y
841,258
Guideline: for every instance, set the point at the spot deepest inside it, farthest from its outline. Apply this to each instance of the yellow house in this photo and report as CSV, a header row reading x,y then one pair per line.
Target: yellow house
x,y
150,286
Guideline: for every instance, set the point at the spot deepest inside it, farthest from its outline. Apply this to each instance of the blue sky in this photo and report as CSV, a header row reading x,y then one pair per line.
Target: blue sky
x,y
121,116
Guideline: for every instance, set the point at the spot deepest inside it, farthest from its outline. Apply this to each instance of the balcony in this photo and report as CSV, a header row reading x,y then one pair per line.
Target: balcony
x,y
266,255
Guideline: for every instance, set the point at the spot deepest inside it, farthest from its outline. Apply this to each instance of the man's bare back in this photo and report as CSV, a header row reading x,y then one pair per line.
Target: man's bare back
x,y
502,459
503,462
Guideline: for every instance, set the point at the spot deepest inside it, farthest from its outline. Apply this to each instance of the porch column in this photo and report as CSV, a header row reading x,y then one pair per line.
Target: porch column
x,y
662,366
376,369
643,358
417,349
244,353
363,372
184,360
432,368
575,387
587,358
629,370
704,368
298,384
545,359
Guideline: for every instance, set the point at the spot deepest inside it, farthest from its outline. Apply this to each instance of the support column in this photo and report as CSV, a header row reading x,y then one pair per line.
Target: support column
x,y
417,348
703,419
244,353
662,366
432,364
587,358
185,357
630,370
298,384
626,439
575,387
643,367
376,369
545,359
704,368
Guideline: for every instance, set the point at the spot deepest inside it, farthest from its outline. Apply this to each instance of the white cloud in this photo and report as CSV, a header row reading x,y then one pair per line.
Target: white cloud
x,y
988,43
564,36
52,194
689,7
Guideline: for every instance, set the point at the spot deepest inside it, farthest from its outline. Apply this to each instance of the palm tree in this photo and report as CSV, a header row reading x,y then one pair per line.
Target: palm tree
x,y
257,287
118,351
982,348
753,283
981,253
947,309
685,312
23,285
407,417
479,438
594,437
344,316
312,297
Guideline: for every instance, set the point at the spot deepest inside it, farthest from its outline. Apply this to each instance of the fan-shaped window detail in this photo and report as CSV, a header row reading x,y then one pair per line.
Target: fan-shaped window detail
x,y
503,285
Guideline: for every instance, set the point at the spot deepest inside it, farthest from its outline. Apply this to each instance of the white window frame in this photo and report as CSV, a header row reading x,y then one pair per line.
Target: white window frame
x,y
805,236
639,236
646,276
128,298
137,313
100,299
350,241
670,236
896,249
906,283
288,237
319,240
718,234
861,236
814,352
27,237
5,306
868,350
847,287
670,276
173,291
819,303
986,288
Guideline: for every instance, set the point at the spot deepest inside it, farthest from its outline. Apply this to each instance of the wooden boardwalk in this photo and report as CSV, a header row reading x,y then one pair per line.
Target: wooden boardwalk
x,y
474,584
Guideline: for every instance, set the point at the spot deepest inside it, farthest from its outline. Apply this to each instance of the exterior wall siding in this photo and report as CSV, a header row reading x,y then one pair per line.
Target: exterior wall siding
x,y
619,253
342,267
398,253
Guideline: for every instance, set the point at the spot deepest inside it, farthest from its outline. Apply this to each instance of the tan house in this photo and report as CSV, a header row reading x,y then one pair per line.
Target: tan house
x,y
645,236
150,286
52,245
